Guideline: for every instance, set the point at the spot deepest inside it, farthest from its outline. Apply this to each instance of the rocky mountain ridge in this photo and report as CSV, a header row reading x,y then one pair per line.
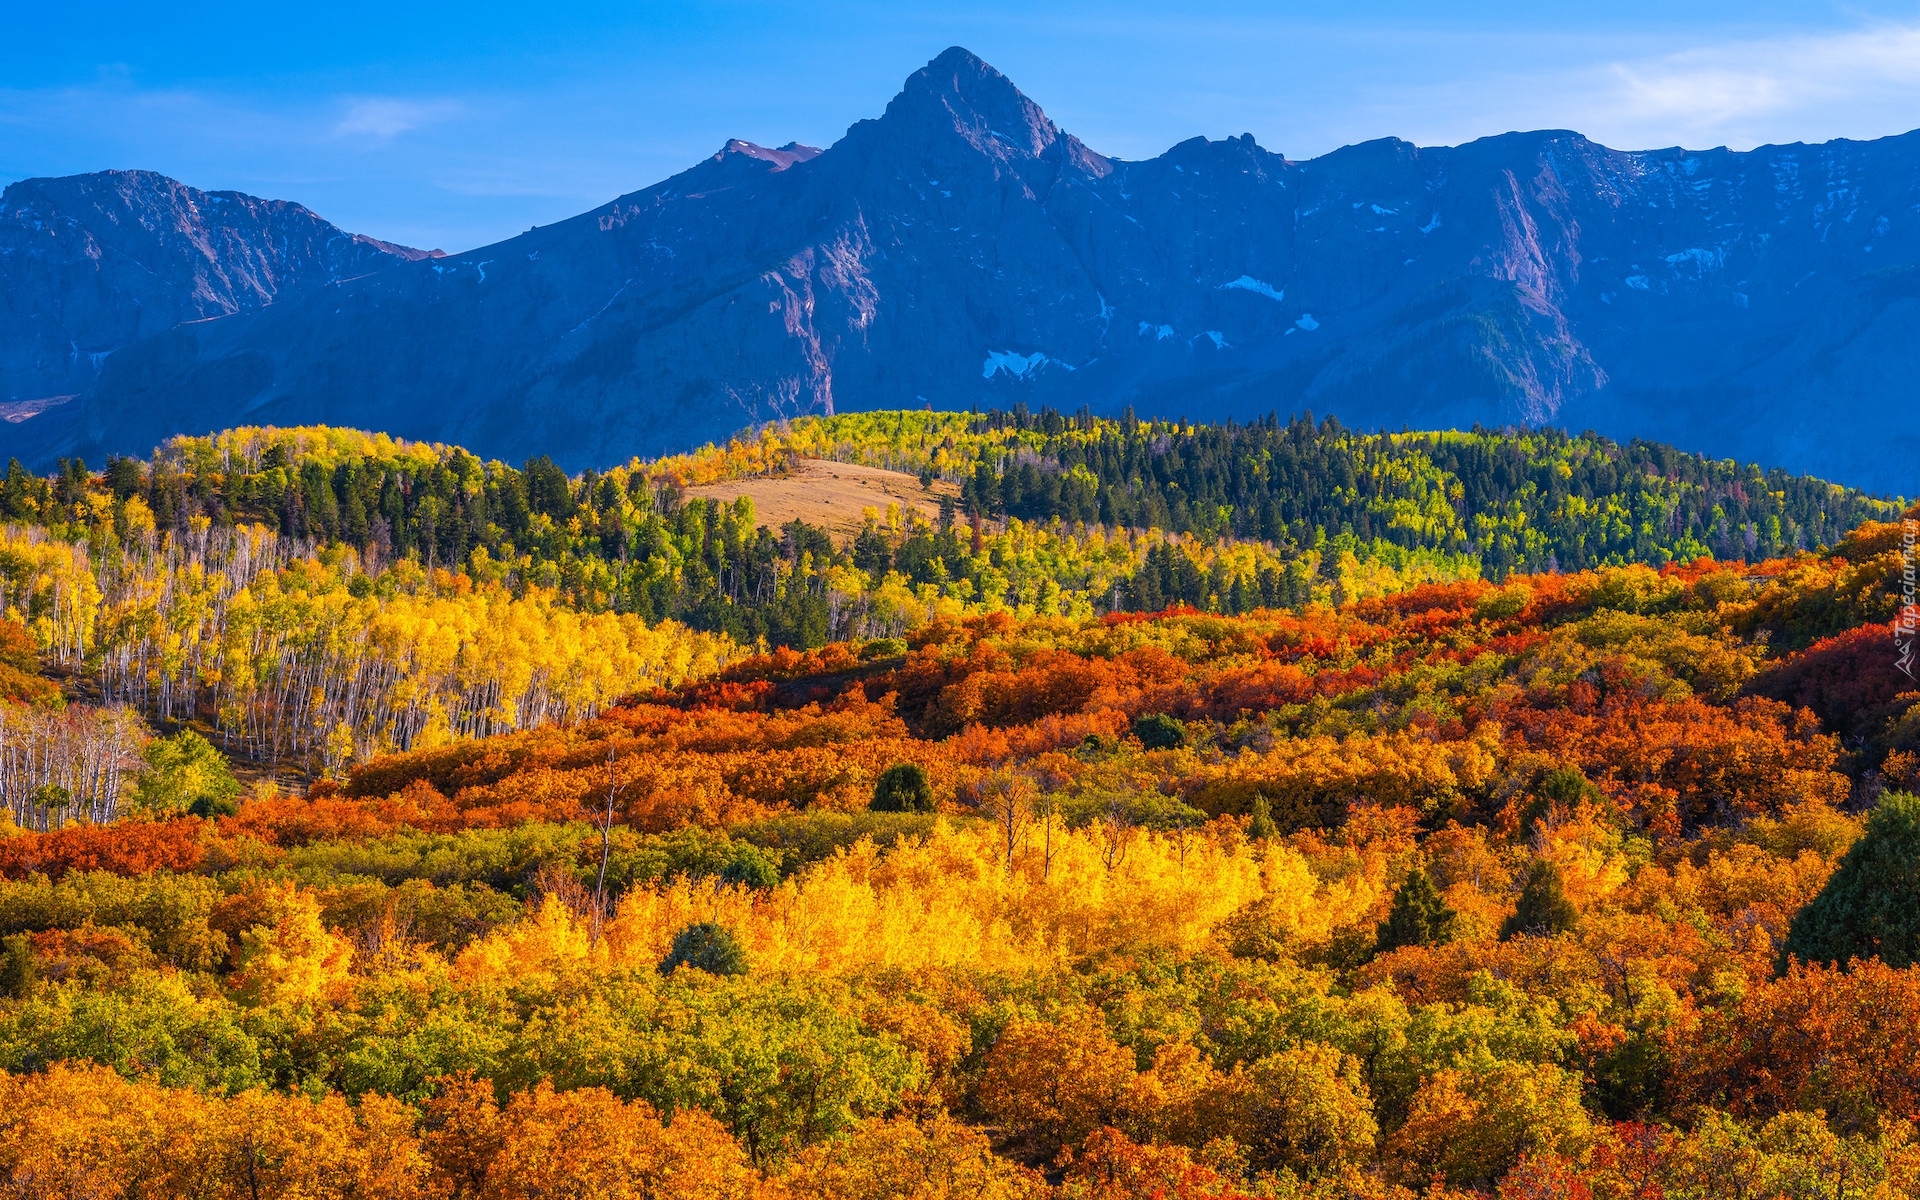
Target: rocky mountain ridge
x,y
961,249
92,263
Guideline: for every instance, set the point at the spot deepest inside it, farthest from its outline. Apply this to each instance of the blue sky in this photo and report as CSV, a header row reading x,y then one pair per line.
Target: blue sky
x,y
453,125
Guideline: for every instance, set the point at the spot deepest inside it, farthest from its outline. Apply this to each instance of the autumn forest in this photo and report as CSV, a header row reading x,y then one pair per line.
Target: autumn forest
x,y
1160,811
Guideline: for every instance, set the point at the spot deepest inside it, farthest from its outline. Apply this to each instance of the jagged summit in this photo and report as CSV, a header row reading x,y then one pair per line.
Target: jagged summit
x,y
158,203
735,163
780,158
981,104
960,111
960,249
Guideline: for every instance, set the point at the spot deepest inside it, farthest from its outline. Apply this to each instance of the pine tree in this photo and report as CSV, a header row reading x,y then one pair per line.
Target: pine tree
x,y
1544,908
903,788
706,946
18,970
1158,731
1419,916
1870,908
748,866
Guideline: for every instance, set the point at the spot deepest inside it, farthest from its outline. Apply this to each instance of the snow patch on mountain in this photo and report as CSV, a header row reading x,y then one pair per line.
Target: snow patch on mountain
x,y
1702,259
1247,283
1019,366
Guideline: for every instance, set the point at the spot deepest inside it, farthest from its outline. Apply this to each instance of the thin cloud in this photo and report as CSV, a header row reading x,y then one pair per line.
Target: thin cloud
x,y
448,170
1699,98
1743,80
383,118
1811,86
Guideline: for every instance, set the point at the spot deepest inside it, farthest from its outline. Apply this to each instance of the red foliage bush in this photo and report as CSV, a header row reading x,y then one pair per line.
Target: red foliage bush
x,y
1852,682
125,848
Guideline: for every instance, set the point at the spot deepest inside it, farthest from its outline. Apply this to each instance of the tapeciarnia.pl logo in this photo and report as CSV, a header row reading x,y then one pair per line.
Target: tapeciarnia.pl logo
x,y
1907,624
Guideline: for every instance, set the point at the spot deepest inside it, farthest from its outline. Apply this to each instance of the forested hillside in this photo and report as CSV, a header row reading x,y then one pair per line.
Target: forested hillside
x,y
314,597
1066,515
467,866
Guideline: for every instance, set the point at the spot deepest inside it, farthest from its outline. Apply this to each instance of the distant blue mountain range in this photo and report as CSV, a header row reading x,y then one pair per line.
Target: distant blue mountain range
x,y
962,250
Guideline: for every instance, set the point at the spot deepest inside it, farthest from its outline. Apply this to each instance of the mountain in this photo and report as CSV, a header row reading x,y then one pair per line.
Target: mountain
x,y
92,263
961,249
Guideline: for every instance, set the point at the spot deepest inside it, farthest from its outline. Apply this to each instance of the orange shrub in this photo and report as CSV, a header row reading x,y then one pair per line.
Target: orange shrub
x,y
126,848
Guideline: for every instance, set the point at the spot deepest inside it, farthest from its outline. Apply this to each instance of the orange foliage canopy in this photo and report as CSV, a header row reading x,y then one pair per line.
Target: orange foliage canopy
x,y
125,848
1846,1041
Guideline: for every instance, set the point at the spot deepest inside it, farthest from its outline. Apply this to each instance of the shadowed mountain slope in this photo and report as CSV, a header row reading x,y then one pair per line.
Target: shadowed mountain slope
x,y
92,263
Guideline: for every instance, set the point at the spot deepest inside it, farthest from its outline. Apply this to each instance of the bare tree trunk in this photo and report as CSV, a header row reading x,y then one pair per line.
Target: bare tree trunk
x,y
1116,828
605,822
1010,805
1047,809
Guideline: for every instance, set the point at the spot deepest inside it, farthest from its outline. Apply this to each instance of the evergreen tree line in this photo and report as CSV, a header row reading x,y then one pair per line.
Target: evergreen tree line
x,y
1299,482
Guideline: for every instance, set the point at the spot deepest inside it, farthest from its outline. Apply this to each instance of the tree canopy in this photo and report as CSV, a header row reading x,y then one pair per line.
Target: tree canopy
x,y
1870,908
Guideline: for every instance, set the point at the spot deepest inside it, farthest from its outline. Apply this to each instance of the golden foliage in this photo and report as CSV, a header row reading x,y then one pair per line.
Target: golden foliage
x,y
901,1159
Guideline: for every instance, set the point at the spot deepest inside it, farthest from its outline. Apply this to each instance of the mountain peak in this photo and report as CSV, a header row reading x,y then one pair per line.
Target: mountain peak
x,y
958,58
780,158
115,188
961,91
737,162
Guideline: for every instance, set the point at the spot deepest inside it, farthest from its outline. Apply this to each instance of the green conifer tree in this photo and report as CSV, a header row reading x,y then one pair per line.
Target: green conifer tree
x,y
1158,731
1544,908
18,970
903,788
1870,908
1419,916
706,946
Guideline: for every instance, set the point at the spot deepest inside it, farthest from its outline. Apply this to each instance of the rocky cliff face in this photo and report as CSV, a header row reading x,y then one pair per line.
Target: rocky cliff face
x,y
91,263
961,249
